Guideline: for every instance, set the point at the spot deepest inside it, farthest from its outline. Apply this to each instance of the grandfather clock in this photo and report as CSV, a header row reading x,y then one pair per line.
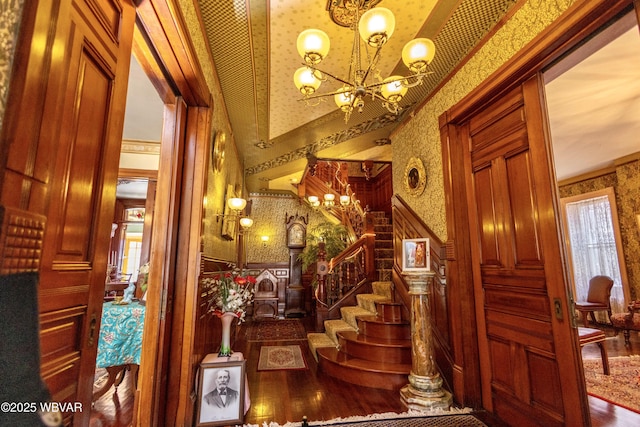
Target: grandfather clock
x,y
296,241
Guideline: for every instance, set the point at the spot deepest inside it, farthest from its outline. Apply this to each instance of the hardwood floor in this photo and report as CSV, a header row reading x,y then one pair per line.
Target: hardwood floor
x,y
289,395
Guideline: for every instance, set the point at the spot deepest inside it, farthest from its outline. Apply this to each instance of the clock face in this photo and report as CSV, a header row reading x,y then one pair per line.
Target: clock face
x,y
296,236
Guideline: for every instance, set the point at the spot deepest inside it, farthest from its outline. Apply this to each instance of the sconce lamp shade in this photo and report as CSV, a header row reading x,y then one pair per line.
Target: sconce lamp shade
x,y
313,45
394,88
246,222
306,81
376,26
418,53
236,203
264,238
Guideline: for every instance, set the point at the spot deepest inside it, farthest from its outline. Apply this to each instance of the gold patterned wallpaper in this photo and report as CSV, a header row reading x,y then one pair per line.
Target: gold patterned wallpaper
x,y
420,136
10,12
626,184
269,215
231,174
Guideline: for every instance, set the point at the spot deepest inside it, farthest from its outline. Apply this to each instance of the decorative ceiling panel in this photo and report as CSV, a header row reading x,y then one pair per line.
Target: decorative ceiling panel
x,y
253,44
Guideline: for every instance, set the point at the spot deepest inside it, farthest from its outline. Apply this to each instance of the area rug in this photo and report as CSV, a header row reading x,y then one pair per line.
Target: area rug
x,y
453,418
276,357
622,387
276,330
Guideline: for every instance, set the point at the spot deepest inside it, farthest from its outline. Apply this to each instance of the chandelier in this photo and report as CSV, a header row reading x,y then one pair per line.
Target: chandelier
x,y
328,201
372,27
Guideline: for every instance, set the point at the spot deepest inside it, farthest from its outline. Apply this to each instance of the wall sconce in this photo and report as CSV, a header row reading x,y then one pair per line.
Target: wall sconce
x,y
264,239
246,222
237,203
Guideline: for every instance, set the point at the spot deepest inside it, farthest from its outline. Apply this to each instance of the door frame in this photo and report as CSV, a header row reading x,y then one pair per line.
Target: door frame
x,y
163,48
568,31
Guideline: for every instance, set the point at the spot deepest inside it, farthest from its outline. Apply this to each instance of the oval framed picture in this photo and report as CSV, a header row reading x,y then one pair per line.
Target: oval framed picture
x,y
415,177
217,151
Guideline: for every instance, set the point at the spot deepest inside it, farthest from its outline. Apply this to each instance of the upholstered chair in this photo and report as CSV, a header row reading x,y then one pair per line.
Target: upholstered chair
x,y
598,299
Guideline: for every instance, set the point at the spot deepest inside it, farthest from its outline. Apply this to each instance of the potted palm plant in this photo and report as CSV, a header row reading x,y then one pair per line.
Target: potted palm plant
x,y
334,237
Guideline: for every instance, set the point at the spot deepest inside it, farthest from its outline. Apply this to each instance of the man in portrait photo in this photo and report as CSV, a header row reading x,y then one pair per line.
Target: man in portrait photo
x,y
221,403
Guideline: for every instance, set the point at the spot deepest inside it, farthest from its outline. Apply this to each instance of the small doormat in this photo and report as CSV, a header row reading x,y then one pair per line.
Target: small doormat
x,y
276,330
276,357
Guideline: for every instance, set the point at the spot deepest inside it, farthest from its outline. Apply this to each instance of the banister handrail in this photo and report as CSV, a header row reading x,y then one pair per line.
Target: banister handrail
x,y
349,252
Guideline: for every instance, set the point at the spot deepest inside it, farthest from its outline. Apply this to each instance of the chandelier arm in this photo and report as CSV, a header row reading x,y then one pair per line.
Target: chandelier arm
x,y
320,95
417,76
372,64
329,74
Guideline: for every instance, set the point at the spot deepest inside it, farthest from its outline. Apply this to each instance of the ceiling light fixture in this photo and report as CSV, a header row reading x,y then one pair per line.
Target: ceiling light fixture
x,y
375,26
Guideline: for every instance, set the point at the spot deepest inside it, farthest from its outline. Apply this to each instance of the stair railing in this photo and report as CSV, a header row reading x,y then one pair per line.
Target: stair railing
x,y
347,271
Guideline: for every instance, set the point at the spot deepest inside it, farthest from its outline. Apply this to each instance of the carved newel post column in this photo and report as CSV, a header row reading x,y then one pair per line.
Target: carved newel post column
x,y
424,391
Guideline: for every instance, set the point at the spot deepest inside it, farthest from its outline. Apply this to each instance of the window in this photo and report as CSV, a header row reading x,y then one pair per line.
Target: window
x,y
593,241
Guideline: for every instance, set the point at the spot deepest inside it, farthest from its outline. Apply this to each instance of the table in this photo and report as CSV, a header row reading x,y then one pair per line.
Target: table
x,y
120,342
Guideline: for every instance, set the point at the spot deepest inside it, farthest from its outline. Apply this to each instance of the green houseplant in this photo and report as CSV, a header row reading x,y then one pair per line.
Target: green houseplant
x,y
334,237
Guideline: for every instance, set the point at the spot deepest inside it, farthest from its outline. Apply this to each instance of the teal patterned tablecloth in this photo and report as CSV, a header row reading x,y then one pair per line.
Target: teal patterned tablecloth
x,y
120,340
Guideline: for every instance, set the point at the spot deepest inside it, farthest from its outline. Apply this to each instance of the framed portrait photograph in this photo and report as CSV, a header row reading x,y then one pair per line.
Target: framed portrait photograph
x,y
221,393
415,255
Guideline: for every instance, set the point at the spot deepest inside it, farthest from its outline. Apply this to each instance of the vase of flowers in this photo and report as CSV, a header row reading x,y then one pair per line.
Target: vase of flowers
x,y
229,295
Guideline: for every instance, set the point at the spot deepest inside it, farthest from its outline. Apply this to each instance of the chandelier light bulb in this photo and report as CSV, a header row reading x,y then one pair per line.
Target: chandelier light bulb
x,y
394,89
376,26
345,200
313,45
305,80
418,53
344,99
329,199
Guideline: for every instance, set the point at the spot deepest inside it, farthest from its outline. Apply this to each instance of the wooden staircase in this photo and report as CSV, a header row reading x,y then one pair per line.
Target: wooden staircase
x,y
383,248
370,345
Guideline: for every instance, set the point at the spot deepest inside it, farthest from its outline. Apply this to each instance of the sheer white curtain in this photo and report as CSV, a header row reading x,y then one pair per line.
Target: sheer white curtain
x,y
593,248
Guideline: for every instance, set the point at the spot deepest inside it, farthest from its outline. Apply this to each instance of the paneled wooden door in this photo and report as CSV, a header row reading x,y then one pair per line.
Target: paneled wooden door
x,y
93,47
530,361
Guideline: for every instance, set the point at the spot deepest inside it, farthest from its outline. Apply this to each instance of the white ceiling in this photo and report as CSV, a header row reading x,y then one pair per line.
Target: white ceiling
x,y
594,108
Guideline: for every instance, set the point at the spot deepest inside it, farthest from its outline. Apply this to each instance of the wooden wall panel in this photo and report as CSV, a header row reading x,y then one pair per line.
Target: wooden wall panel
x,y
62,143
407,225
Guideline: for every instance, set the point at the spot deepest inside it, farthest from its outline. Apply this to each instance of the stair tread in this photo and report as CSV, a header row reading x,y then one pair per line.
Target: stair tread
x,y
382,342
377,319
335,356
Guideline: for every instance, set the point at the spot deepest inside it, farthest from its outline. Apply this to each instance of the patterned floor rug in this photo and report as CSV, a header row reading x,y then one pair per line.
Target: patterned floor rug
x,y
622,387
453,418
276,330
277,357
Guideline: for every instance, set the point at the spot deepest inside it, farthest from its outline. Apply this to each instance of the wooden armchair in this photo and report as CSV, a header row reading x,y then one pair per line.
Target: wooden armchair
x,y
598,299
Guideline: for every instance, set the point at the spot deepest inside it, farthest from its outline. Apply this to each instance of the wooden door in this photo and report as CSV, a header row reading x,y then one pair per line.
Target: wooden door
x,y
530,361
64,142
